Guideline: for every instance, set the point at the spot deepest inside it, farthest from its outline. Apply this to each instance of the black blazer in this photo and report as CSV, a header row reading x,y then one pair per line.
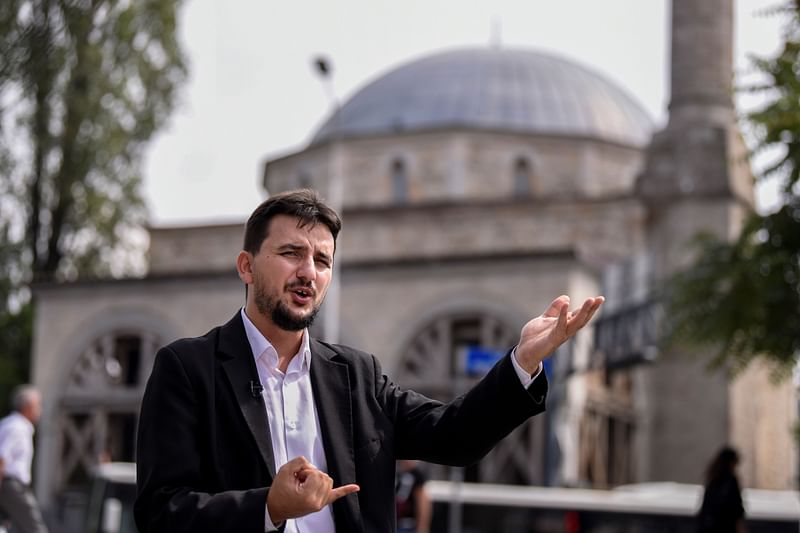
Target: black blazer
x,y
204,453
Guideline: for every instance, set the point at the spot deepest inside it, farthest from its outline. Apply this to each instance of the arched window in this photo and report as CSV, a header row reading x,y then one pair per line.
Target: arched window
x,y
523,176
399,182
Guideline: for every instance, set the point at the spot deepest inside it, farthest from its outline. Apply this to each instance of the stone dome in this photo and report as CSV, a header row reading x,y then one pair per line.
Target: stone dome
x,y
492,89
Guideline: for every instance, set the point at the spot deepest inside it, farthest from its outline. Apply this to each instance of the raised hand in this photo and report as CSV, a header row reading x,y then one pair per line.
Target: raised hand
x,y
299,488
543,334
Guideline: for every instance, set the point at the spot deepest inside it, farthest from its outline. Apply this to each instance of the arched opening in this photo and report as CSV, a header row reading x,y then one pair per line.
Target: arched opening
x,y
443,360
98,411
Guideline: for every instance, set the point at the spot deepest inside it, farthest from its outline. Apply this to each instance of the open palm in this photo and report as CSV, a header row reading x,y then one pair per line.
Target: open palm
x,y
543,334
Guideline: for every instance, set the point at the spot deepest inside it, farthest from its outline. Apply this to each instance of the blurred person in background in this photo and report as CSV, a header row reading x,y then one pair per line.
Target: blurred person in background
x,y
414,506
17,501
722,510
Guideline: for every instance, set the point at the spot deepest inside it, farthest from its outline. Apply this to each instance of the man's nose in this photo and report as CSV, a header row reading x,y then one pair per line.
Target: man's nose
x,y
306,270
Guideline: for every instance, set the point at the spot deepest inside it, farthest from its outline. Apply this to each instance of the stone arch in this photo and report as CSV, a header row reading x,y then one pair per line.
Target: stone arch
x,y
93,394
431,362
451,304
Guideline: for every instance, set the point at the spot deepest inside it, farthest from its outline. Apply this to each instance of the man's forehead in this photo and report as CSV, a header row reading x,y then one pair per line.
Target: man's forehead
x,y
289,229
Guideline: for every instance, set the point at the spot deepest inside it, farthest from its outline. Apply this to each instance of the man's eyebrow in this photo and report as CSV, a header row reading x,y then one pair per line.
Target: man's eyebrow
x,y
291,246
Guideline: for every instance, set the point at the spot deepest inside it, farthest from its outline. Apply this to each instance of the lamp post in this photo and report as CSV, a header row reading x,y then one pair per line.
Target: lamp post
x,y
335,197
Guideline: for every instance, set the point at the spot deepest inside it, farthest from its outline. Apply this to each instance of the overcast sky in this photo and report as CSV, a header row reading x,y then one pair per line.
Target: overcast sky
x,y
253,94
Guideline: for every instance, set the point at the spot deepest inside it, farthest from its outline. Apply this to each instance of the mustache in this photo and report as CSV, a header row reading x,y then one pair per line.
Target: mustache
x,y
306,286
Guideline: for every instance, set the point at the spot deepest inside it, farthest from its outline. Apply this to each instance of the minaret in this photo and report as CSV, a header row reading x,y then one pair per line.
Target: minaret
x,y
699,156
701,63
696,178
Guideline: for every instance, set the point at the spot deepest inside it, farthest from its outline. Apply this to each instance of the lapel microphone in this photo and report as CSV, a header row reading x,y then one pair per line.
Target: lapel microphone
x,y
256,389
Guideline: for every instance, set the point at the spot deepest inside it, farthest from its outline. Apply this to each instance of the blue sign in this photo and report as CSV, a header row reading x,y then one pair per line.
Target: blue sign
x,y
479,360
548,366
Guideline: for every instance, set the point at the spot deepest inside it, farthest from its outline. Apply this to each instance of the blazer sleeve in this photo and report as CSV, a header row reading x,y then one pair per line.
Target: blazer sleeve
x,y
173,471
465,430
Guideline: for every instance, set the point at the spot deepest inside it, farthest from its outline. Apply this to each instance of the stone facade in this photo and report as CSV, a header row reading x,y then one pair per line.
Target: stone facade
x,y
461,165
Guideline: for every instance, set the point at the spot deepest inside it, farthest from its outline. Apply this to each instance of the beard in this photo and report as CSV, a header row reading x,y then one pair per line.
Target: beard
x,y
279,313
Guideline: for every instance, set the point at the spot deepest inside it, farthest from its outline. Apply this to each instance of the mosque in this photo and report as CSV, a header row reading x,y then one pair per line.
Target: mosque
x,y
475,186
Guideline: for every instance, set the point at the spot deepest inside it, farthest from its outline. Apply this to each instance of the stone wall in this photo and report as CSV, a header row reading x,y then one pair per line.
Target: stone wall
x,y
458,165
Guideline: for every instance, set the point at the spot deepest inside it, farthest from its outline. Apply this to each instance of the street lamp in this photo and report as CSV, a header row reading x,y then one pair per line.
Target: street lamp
x,y
335,197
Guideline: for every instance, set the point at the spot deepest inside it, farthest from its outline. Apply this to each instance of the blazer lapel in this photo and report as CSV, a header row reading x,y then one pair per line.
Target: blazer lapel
x,y
240,367
330,382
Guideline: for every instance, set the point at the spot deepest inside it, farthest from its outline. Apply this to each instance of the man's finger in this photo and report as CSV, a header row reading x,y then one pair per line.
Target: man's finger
x,y
581,317
561,325
555,307
592,309
298,463
598,301
303,470
342,491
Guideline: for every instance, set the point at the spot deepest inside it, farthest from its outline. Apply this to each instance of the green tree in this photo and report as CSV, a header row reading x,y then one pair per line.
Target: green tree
x,y
84,84
741,299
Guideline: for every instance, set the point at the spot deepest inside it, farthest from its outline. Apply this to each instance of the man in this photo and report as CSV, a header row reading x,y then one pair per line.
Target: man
x,y
17,502
256,426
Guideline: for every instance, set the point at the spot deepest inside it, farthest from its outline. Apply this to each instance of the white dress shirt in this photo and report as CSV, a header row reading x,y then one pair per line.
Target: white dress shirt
x,y
293,418
16,446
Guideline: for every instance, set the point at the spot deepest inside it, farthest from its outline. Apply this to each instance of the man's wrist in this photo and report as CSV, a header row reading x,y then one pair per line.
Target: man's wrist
x,y
524,376
269,525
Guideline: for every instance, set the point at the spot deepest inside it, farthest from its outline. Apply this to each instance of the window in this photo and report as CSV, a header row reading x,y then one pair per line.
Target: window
x,y
399,182
522,177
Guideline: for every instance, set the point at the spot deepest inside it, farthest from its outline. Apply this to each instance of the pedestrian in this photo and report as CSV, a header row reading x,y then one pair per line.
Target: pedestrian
x,y
722,510
17,501
414,506
256,426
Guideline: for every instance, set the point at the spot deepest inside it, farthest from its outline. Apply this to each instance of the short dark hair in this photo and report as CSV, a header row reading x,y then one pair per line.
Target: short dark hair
x,y
305,204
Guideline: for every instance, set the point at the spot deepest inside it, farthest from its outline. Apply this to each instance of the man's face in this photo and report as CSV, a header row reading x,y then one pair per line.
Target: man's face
x,y
291,272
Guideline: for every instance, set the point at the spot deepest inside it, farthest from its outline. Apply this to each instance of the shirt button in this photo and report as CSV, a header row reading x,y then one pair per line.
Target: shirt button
x,y
292,424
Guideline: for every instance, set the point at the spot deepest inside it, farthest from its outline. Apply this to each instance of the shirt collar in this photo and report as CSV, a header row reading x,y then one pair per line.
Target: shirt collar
x,y
260,346
19,418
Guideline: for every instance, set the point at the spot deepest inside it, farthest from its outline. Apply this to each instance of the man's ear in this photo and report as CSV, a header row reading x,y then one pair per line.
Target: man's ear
x,y
244,266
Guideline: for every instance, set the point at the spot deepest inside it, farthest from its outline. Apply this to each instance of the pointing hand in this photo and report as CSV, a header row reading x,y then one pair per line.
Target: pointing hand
x,y
299,488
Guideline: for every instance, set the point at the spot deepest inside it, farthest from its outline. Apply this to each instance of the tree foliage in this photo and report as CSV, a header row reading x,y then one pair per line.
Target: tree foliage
x,y
83,85
741,299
